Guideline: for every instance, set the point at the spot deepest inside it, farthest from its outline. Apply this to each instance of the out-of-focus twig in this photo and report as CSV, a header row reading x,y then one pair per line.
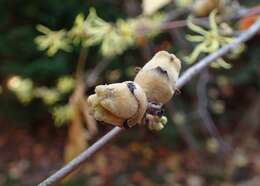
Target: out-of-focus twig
x,y
92,78
241,13
77,133
178,37
77,99
187,76
207,122
89,120
81,64
173,15
204,20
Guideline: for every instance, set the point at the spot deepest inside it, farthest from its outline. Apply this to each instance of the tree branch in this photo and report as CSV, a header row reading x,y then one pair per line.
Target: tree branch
x,y
187,76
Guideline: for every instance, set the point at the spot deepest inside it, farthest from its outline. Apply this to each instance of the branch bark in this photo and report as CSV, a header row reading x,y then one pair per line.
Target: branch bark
x,y
187,76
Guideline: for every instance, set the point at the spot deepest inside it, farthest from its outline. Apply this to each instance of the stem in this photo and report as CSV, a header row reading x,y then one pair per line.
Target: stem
x,y
187,76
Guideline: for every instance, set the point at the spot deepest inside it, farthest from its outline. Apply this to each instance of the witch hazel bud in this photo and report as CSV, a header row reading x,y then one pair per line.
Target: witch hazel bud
x,y
120,104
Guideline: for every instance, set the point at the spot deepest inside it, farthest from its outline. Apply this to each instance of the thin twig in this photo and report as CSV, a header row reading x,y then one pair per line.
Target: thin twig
x,y
187,76
176,13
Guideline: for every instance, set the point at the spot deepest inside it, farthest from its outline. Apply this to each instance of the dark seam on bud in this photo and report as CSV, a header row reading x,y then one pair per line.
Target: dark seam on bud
x,y
131,87
161,71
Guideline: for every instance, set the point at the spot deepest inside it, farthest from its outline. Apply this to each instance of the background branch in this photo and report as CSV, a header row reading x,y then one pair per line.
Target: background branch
x,y
187,76
204,21
92,77
207,121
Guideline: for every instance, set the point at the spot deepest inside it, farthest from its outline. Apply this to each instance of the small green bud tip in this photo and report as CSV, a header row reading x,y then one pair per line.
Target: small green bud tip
x,y
163,120
158,126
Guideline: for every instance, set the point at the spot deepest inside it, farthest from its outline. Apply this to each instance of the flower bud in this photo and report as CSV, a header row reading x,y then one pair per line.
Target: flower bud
x,y
120,104
158,77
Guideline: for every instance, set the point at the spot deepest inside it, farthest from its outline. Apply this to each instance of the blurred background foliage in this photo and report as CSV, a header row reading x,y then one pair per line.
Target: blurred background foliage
x,y
40,88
